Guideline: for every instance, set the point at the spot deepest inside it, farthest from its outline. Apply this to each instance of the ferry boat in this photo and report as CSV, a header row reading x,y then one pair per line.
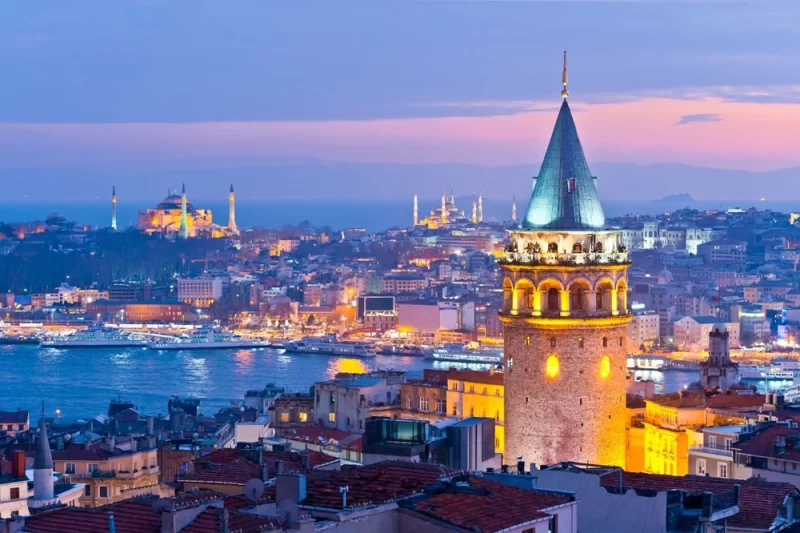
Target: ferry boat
x,y
95,336
777,370
330,346
459,353
403,351
205,338
18,339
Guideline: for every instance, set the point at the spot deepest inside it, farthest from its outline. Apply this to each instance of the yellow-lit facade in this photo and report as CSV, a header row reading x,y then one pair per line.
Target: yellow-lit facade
x,y
669,432
165,218
484,399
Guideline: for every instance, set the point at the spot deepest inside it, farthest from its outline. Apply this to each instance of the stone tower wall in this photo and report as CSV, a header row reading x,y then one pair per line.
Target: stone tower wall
x,y
577,415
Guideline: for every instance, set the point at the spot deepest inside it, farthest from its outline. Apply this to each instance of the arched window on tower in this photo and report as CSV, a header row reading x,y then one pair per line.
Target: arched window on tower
x,y
580,342
552,300
576,296
552,248
552,342
598,247
577,248
599,303
605,342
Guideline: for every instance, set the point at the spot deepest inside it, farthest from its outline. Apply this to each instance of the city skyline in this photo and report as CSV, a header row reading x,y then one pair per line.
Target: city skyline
x,y
679,83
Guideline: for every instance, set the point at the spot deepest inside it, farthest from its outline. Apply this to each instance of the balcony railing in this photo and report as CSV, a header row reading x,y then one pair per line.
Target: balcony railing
x,y
714,450
555,258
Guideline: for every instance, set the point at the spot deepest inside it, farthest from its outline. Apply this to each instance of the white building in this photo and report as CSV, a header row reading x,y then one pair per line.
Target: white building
x,y
200,292
255,431
643,329
692,332
344,403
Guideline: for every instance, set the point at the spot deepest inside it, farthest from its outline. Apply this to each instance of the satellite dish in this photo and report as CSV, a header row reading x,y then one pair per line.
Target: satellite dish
x,y
288,510
254,489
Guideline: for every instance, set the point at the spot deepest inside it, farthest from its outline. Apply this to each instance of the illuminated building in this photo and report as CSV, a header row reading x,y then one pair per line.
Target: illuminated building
x,y
473,393
114,208
565,316
445,215
176,216
232,212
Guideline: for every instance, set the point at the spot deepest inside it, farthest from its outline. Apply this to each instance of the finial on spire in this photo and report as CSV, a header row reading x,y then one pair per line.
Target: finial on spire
x,y
183,189
231,187
113,190
564,91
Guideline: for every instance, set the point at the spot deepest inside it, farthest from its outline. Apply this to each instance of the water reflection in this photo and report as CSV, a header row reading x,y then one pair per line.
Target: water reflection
x,y
339,365
244,361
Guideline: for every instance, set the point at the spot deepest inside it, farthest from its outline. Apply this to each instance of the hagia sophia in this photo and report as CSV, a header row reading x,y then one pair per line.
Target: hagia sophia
x,y
175,217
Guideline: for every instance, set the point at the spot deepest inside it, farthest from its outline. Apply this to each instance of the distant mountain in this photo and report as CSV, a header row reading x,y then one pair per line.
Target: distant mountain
x,y
315,179
676,199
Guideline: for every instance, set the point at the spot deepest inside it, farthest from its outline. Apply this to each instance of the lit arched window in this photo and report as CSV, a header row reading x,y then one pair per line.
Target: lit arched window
x,y
552,368
552,342
580,342
605,367
552,247
577,248
605,342
527,340
598,247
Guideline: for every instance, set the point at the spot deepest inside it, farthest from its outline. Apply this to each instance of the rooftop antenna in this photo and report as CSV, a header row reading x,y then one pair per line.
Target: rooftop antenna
x,y
564,91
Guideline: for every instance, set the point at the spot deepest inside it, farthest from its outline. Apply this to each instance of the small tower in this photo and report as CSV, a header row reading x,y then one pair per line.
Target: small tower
x,y
444,210
474,210
114,207
452,196
232,212
718,370
184,229
43,465
480,207
514,208
416,210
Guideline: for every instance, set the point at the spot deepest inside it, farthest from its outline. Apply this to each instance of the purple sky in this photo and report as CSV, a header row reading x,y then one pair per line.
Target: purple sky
x,y
93,90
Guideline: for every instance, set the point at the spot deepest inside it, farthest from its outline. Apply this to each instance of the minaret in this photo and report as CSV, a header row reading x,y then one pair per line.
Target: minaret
x,y
43,465
114,207
416,210
232,212
565,316
480,207
514,208
444,210
452,196
474,210
184,230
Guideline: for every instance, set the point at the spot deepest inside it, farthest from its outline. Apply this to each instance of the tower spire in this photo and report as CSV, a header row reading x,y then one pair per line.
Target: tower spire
x,y
232,212
564,91
416,210
184,229
480,206
43,465
514,208
444,209
474,209
114,207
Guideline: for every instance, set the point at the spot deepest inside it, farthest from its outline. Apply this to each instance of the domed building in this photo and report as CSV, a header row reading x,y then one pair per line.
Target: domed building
x,y
170,219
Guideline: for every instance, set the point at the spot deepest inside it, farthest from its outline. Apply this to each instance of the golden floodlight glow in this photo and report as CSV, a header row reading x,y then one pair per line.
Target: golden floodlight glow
x,y
552,367
605,367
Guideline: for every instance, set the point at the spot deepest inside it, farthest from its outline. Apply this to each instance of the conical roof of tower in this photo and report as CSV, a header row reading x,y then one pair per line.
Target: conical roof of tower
x,y
565,194
44,457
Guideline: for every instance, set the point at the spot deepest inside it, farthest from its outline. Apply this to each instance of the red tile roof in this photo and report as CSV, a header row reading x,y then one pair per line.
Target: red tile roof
x,y
760,501
293,460
375,484
761,444
499,507
131,516
319,435
241,522
223,466
699,400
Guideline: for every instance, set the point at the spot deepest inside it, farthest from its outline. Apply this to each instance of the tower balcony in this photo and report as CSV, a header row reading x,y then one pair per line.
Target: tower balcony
x,y
564,259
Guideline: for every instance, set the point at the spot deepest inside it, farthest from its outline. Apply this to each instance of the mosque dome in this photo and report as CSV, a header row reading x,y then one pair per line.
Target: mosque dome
x,y
173,201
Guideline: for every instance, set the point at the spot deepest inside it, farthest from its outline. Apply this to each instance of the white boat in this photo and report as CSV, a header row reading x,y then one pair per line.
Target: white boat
x,y
205,338
778,370
330,346
458,353
95,336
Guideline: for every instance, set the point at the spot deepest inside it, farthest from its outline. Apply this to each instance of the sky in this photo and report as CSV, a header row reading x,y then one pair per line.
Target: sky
x,y
95,92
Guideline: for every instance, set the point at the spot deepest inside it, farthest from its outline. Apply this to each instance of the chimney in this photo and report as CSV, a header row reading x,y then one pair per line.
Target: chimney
x,y
290,487
134,445
520,466
279,467
304,460
18,463
264,472
150,425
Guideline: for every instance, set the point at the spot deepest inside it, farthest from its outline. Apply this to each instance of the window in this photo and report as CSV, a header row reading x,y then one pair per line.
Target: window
x,y
349,422
722,470
528,340
570,184
552,342
580,342
91,468
577,299
701,467
455,411
497,391
485,390
408,402
471,411
552,367
552,300
15,493
605,367
331,417
284,417
599,298
454,386
472,389
497,416
303,417
21,427
87,490
441,406
103,491
712,441
621,341
423,403
510,364
333,397
9,427
605,342
552,248
69,468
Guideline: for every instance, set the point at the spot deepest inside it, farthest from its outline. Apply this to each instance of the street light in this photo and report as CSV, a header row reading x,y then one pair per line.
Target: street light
x,y
58,413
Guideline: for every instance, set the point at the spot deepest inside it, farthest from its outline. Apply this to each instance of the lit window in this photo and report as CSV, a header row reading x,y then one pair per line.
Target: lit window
x,y
331,417
528,340
303,417
552,368
605,367
284,417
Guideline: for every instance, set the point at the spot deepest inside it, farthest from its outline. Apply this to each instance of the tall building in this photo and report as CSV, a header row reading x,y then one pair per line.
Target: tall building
x,y
232,212
565,316
184,229
114,207
718,370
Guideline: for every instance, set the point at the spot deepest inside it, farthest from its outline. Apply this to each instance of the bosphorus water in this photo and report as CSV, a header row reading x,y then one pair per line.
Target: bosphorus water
x,y
81,381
